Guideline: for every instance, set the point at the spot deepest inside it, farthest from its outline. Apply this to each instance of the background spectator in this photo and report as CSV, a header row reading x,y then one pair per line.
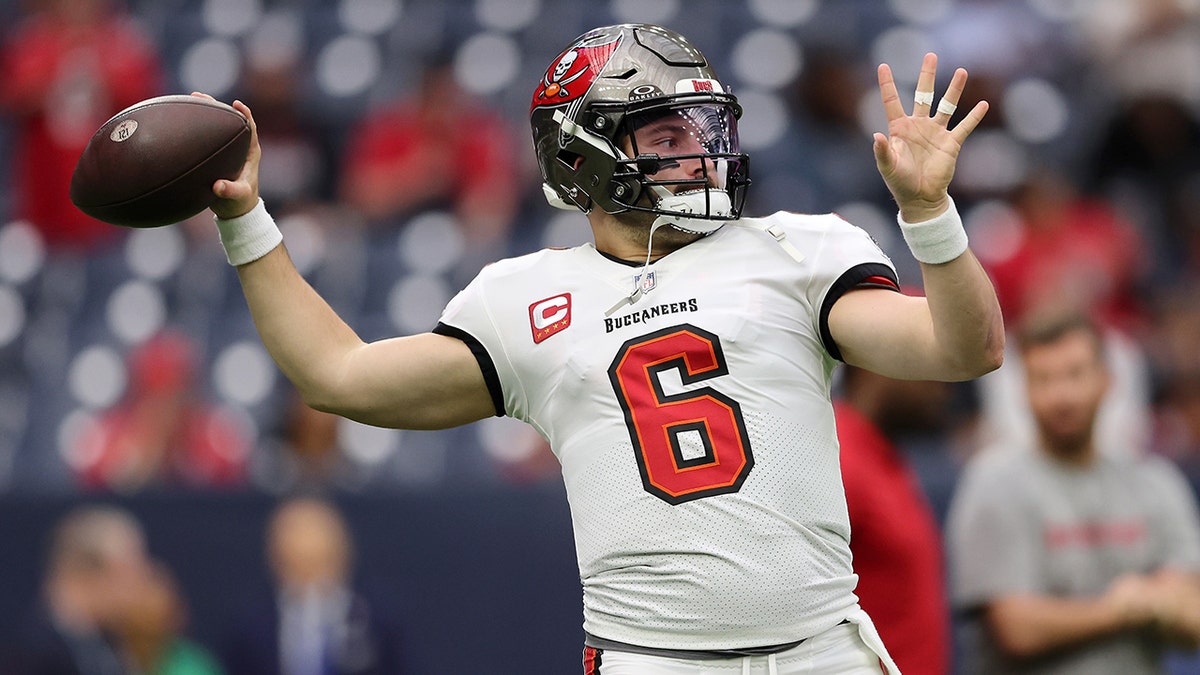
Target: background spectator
x,y
894,537
163,433
437,148
69,67
95,571
316,622
1056,250
307,455
151,636
1069,560
1067,251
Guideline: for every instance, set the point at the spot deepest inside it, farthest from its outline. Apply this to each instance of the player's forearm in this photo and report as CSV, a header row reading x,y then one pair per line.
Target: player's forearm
x,y
968,329
424,381
966,336
1028,625
307,339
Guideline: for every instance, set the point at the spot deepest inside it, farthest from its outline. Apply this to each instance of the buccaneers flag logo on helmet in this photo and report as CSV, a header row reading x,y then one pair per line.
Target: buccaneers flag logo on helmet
x,y
573,72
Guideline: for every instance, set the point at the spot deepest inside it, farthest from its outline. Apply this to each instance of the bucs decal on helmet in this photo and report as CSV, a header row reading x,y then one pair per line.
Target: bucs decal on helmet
x,y
573,73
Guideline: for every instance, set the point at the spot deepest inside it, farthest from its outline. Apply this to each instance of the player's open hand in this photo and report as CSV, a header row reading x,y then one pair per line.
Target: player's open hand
x,y
917,155
237,197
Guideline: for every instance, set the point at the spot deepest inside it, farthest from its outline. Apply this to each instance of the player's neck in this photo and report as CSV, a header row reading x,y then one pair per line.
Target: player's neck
x,y
628,237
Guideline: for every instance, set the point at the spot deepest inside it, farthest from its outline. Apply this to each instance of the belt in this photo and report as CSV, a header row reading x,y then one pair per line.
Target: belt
x,y
597,642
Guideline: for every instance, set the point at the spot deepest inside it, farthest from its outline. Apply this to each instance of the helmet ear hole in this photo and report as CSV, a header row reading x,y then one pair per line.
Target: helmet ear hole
x,y
570,159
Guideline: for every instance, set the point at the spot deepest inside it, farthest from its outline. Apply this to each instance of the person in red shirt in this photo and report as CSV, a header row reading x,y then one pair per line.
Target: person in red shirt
x,y
437,148
162,433
894,536
67,68
1066,252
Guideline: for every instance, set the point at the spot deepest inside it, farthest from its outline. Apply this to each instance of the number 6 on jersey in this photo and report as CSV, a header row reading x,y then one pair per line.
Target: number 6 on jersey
x,y
688,445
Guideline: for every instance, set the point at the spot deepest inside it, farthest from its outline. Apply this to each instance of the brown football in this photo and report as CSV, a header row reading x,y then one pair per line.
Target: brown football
x,y
155,162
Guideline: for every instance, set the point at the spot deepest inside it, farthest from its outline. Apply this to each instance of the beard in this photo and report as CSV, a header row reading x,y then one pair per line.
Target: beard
x,y
1067,442
636,226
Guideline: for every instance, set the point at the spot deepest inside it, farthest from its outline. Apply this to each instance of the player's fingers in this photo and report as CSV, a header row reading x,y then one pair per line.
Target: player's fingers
x,y
923,97
883,158
232,189
892,106
968,123
949,102
203,95
224,189
245,111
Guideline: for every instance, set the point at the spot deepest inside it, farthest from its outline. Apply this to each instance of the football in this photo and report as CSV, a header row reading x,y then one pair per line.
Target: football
x,y
155,162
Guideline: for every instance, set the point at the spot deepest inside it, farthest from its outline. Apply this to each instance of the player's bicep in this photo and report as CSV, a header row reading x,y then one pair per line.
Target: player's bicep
x,y
886,332
425,381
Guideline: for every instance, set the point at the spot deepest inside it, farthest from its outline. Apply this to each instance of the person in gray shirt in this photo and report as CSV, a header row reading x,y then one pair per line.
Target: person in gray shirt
x,y
1064,560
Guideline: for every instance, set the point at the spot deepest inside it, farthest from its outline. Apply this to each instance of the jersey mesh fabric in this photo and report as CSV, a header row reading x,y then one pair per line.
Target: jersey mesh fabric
x,y
763,560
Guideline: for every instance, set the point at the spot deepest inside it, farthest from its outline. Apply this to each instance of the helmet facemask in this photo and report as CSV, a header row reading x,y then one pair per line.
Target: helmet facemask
x,y
681,161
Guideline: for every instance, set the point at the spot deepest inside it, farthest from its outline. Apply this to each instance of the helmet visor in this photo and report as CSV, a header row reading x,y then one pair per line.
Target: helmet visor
x,y
685,129
682,138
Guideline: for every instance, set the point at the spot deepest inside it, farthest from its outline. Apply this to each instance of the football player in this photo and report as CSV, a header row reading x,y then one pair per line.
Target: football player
x,y
680,365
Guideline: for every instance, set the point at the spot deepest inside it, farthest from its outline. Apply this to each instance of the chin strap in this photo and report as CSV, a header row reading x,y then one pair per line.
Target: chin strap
x,y
637,286
714,203
701,201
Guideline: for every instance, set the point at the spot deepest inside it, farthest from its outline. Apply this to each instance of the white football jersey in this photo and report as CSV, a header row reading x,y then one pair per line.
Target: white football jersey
x,y
694,427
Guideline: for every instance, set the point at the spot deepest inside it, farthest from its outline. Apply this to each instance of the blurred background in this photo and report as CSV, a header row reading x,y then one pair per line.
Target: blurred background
x,y
397,162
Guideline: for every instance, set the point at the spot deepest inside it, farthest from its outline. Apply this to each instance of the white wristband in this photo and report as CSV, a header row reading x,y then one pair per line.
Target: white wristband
x,y
249,236
937,240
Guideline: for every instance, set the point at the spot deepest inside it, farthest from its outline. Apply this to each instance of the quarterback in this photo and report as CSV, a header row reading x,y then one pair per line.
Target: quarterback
x,y
680,365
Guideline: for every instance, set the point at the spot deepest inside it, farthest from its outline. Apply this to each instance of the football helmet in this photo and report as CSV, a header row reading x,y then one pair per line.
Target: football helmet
x,y
633,118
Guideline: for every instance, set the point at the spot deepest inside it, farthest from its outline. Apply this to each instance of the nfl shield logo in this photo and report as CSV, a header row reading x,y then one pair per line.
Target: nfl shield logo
x,y
646,282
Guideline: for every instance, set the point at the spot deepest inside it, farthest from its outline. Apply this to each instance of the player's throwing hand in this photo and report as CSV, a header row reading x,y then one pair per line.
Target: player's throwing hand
x,y
237,197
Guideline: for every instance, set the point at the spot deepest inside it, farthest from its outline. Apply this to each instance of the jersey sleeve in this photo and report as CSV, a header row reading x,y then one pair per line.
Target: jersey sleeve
x,y
845,257
466,317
